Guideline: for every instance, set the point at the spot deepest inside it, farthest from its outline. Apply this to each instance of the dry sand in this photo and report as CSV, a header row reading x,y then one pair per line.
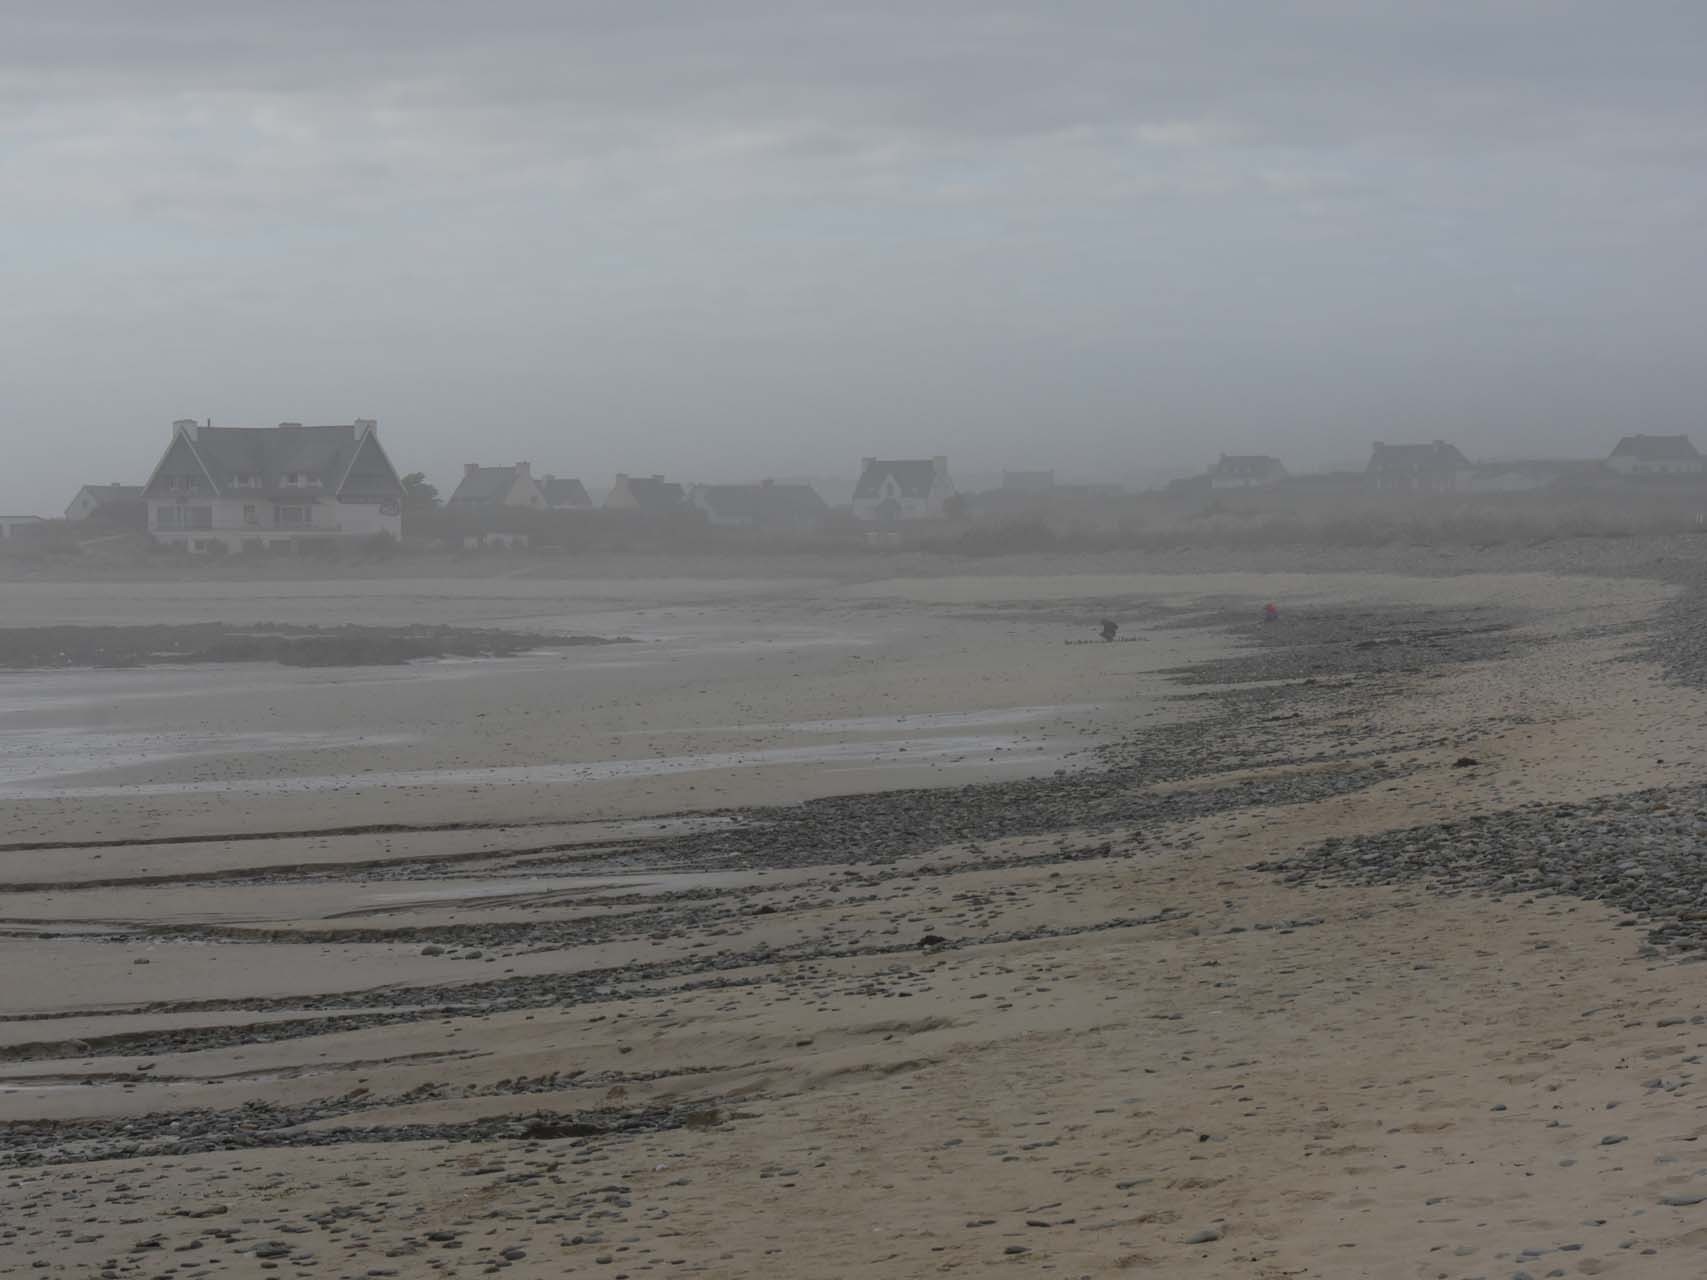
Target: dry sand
x,y
1134,1055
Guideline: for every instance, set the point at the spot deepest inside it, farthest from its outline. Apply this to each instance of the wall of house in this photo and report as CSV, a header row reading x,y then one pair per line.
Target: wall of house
x,y
1656,466
228,522
525,492
875,509
1509,482
905,508
364,519
1456,480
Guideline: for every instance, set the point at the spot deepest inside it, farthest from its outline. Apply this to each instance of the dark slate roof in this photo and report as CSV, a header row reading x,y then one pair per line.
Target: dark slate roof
x,y
655,495
763,503
912,476
323,453
1244,466
114,492
1656,448
483,484
1416,457
563,491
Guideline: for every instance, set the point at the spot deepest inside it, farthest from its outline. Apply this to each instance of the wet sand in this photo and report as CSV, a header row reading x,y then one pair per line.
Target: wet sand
x,y
565,1032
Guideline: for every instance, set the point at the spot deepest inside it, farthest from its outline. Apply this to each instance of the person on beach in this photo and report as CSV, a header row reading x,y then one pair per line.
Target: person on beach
x,y
1109,627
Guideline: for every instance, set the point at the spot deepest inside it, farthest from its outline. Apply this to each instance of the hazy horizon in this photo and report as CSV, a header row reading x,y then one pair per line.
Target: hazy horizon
x,y
752,239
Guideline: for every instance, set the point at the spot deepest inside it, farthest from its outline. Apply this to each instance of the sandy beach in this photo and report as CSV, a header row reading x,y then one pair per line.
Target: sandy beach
x,y
859,923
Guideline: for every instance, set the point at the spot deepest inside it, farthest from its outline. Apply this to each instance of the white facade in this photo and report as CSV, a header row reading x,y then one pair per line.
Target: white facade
x,y
232,524
253,489
890,491
19,526
1635,466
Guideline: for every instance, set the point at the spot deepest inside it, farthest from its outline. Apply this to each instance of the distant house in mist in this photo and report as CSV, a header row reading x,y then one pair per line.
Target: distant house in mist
x,y
907,489
1245,471
565,494
1433,468
118,506
1655,456
1028,481
247,488
770,505
13,528
491,489
651,494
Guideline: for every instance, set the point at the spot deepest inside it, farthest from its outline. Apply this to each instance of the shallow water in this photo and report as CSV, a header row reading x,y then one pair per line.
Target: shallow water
x,y
935,752
30,754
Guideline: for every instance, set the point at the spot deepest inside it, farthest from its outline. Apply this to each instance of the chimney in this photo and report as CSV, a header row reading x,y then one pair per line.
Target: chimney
x,y
523,469
469,468
186,427
366,427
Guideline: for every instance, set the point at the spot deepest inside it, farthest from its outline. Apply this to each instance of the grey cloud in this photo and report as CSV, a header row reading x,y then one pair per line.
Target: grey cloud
x,y
1167,225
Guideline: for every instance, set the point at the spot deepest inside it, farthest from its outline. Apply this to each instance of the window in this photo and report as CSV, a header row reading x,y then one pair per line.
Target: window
x,y
169,517
250,515
290,516
246,480
181,484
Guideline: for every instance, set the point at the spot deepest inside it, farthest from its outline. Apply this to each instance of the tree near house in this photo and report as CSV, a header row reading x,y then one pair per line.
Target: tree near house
x,y
418,495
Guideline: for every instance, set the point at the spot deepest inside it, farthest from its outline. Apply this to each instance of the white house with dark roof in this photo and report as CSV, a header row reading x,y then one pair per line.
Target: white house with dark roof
x,y
1433,468
1656,456
237,488
488,489
906,489
1245,471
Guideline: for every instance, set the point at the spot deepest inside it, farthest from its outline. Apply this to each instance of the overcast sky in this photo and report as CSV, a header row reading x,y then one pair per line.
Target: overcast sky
x,y
726,239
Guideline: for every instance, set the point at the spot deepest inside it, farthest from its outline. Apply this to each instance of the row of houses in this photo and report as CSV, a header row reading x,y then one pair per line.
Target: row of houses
x,y
240,488
486,493
259,488
1438,467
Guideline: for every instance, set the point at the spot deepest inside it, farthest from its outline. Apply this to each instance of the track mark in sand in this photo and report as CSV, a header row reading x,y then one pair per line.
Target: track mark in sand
x,y
56,1079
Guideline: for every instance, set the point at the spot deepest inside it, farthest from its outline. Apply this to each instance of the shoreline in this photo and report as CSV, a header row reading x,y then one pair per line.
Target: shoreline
x,y
1112,1019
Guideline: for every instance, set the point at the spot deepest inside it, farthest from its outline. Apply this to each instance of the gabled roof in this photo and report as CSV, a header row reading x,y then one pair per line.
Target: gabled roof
x,y
1247,466
483,484
761,503
1437,456
652,494
561,491
326,454
1657,448
913,477
113,492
